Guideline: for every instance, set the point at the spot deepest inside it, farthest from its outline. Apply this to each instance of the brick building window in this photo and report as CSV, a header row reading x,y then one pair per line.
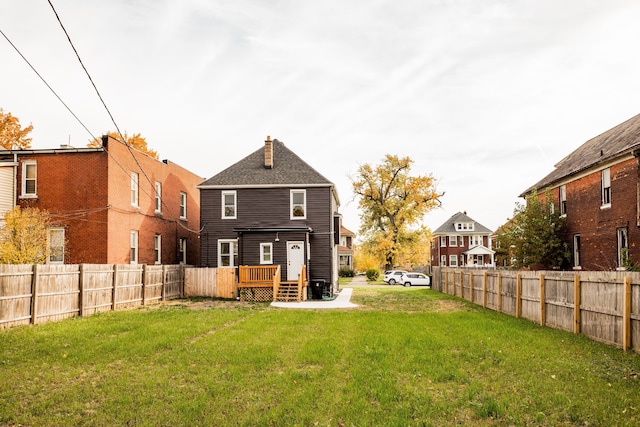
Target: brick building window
x,y
55,242
623,248
453,240
157,249
576,251
443,260
606,188
133,239
563,200
134,188
183,205
443,241
29,179
182,251
158,197
453,260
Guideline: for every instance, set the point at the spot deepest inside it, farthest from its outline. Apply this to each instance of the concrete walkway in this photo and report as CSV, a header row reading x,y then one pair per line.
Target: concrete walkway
x,y
341,301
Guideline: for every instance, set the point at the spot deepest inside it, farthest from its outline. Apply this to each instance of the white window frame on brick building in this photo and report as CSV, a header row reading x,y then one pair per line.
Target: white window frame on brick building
x,y
133,245
135,179
183,205
158,197
606,188
29,179
157,249
55,244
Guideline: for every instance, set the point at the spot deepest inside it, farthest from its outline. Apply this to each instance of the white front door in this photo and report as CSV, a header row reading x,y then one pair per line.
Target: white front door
x,y
295,259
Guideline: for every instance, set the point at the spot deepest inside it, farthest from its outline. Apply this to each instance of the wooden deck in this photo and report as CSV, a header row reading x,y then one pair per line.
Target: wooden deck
x,y
256,281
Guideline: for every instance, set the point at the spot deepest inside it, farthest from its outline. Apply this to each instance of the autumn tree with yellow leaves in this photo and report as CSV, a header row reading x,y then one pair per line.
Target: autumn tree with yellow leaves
x,y
136,141
12,135
392,203
23,239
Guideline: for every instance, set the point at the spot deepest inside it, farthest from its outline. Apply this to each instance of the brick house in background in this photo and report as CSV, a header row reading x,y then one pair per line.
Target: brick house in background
x,y
597,189
345,250
107,205
461,242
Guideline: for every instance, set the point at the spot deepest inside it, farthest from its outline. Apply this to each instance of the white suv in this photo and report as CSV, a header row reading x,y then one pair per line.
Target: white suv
x,y
415,279
393,276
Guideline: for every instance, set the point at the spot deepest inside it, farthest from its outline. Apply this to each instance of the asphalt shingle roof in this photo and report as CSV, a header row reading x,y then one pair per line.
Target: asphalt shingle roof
x,y
449,226
619,140
288,169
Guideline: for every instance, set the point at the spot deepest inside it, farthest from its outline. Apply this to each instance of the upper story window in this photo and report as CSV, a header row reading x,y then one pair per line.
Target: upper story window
x,y
183,205
464,226
298,204
453,240
229,205
133,244
158,196
29,179
606,188
56,245
563,200
266,253
443,242
475,241
134,188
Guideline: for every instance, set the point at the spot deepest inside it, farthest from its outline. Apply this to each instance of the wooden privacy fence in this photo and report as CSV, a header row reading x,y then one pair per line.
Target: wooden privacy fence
x,y
602,305
32,294
210,282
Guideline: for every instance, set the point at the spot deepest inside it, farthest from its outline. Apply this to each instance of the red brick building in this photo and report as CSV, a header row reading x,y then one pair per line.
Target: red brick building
x,y
107,205
597,189
461,242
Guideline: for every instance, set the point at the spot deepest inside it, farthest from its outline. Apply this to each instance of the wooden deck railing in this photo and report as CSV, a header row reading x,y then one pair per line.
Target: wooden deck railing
x,y
257,275
276,283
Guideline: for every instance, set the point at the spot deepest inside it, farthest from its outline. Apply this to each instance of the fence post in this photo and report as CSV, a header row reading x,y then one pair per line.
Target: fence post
x,y
484,290
81,289
145,282
471,285
114,287
164,282
446,281
626,315
462,284
576,304
542,300
518,295
34,293
499,292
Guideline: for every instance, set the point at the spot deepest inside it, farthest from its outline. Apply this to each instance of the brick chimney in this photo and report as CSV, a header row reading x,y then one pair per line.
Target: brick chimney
x,y
268,153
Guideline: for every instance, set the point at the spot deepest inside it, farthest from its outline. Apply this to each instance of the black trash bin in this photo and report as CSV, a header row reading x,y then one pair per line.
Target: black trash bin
x,y
317,286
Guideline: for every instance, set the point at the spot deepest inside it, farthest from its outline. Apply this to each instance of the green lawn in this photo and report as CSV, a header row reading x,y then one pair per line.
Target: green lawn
x,y
405,357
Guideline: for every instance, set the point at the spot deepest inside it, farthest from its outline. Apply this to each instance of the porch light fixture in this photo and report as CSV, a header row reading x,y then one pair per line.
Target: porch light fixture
x,y
277,237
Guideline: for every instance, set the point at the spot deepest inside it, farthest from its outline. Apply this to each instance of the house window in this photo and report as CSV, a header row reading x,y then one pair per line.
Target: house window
x,y
182,251
576,251
183,205
227,253
461,260
475,241
453,240
134,247
443,260
266,253
453,260
56,245
623,248
606,188
228,205
298,204
158,196
134,189
443,241
563,200
29,179
157,249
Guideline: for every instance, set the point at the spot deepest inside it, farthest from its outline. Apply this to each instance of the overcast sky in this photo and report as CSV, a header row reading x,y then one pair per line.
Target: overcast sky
x,y
485,95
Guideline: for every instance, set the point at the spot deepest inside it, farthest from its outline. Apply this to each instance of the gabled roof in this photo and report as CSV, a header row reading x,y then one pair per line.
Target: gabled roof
x,y
617,141
479,250
288,170
449,226
345,232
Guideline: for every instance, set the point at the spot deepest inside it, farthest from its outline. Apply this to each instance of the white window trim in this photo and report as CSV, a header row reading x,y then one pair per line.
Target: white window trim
x,y
183,205
182,249
133,247
158,197
263,246
52,229
453,260
453,243
235,204
563,201
304,205
135,182
235,252
443,241
443,260
24,193
157,248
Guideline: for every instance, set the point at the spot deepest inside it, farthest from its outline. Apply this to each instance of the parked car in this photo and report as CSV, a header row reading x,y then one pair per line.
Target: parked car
x,y
393,276
415,279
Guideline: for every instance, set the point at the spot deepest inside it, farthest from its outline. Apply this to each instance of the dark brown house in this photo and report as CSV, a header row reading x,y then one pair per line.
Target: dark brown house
x,y
597,189
271,208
